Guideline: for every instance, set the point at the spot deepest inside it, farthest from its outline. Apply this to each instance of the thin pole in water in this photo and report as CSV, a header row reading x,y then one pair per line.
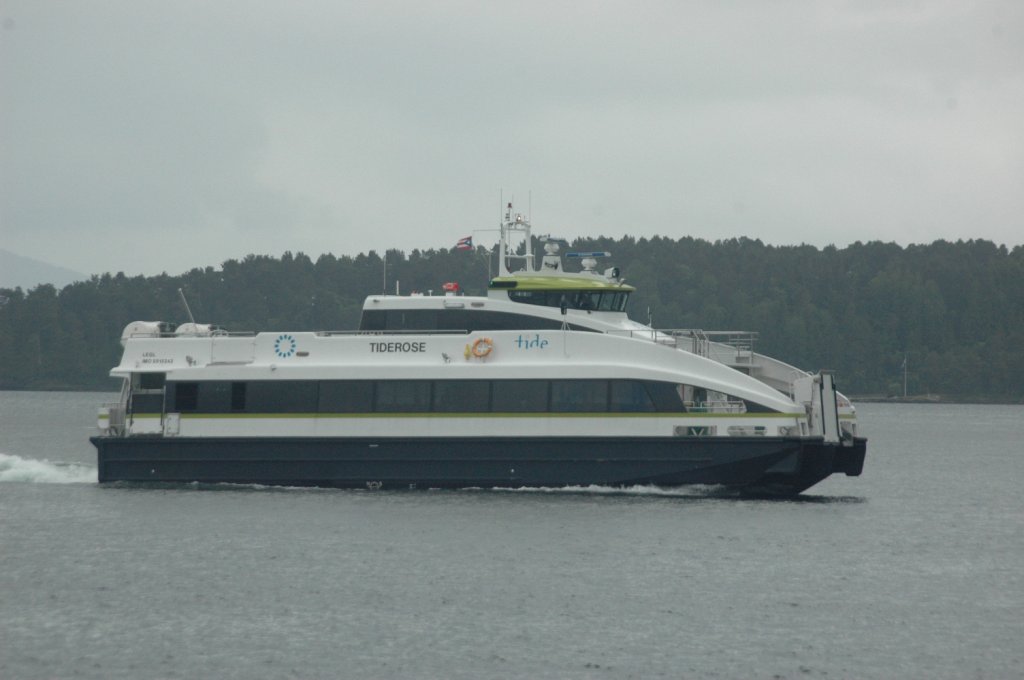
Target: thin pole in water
x,y
904,375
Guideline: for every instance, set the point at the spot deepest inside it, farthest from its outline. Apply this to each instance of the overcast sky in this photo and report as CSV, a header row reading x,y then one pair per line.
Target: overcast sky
x,y
151,136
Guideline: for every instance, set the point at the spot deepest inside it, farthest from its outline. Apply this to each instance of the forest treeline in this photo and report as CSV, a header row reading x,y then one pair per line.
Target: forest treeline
x,y
954,311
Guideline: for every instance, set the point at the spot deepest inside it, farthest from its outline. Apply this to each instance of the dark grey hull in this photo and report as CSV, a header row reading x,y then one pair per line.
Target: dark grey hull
x,y
756,465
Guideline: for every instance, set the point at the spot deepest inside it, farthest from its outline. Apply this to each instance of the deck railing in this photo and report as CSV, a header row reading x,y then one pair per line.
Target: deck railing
x,y
205,334
697,340
115,418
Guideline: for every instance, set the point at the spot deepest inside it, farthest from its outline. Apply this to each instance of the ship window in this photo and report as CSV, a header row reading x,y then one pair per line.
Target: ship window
x,y
403,396
629,396
480,320
607,301
457,320
373,320
462,396
579,396
214,397
147,403
282,396
753,407
532,297
520,396
151,381
505,321
412,319
238,396
665,397
346,396
186,396
202,397
586,300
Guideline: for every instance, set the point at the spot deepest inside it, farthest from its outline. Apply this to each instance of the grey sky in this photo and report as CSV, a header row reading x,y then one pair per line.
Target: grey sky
x,y
150,136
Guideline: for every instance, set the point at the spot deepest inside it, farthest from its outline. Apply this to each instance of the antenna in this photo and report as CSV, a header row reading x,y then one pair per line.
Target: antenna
x,y
185,302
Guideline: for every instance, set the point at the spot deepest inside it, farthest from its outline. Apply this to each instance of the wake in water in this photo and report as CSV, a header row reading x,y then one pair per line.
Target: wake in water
x,y
695,492
692,491
18,469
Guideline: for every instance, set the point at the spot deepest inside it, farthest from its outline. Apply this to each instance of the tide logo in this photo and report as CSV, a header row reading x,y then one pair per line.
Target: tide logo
x,y
536,342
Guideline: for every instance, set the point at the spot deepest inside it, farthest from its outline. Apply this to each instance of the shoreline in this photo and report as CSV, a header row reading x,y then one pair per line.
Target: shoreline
x,y
934,399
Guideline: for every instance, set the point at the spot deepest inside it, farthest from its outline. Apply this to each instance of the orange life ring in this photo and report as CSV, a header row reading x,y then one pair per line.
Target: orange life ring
x,y
482,347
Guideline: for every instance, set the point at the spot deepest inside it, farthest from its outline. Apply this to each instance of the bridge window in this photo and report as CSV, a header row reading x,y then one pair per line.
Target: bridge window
x,y
605,301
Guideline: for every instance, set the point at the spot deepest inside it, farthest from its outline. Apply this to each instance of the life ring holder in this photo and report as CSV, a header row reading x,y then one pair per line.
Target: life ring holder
x,y
482,347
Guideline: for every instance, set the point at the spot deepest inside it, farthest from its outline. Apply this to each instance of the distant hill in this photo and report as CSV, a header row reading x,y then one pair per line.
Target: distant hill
x,y
951,313
17,270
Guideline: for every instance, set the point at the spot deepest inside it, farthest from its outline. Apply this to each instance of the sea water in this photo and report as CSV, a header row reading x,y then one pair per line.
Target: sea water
x,y
911,570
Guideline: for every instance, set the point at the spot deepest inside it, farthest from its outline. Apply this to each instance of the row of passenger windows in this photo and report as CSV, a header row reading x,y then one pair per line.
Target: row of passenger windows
x,y
438,396
454,320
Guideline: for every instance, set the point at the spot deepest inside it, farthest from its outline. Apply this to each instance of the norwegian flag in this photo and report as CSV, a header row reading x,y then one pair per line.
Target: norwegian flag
x,y
465,243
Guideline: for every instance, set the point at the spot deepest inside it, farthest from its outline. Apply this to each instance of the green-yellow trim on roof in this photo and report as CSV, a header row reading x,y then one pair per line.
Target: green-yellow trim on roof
x,y
558,283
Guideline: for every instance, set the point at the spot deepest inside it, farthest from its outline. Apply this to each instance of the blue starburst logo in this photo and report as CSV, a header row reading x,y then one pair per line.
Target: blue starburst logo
x,y
284,346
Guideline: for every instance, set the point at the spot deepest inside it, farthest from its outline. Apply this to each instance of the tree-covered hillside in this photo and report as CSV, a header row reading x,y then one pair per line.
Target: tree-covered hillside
x,y
955,310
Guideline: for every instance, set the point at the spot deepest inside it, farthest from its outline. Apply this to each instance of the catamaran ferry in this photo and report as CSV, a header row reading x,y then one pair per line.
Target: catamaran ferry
x,y
543,382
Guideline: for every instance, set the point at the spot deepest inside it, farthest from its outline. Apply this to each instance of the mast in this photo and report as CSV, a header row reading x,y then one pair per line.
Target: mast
x,y
514,223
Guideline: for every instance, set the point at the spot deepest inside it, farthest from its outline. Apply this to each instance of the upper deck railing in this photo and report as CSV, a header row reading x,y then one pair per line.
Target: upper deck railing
x,y
213,334
699,341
